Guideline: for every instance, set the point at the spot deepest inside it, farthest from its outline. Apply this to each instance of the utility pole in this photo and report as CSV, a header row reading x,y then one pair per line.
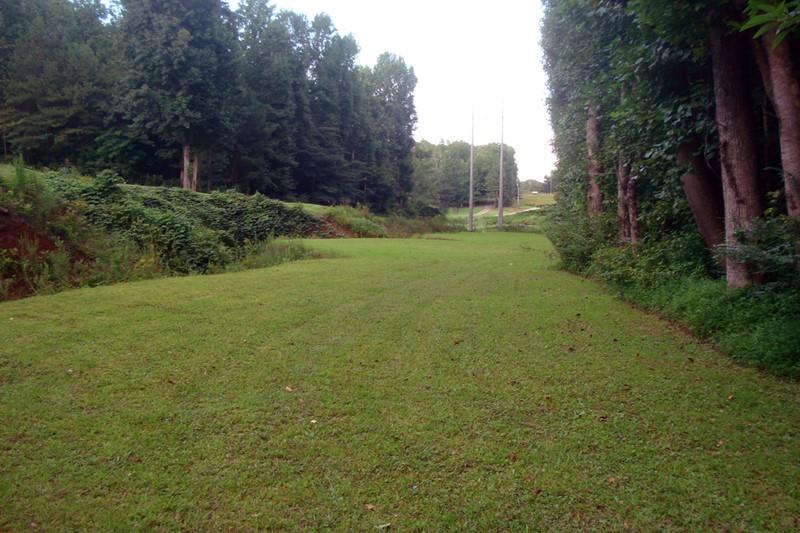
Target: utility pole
x,y
470,217
500,180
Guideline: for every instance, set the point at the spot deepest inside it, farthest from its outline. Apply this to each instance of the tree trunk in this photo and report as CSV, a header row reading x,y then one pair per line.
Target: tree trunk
x,y
737,144
762,62
209,164
704,194
633,210
185,179
623,216
594,196
195,171
786,99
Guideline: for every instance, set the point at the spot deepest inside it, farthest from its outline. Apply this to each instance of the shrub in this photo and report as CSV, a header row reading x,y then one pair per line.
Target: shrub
x,y
772,247
107,231
757,325
190,232
274,252
356,221
575,238
398,226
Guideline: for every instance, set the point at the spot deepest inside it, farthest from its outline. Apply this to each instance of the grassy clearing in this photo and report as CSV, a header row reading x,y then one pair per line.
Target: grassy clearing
x,y
446,382
484,217
538,200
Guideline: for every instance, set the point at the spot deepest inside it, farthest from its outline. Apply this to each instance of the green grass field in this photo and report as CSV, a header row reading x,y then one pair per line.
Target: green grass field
x,y
486,218
454,382
537,200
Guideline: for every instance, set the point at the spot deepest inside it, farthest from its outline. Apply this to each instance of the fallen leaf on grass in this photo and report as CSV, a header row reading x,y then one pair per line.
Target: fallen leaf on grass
x,y
720,443
369,507
289,388
730,397
537,491
512,457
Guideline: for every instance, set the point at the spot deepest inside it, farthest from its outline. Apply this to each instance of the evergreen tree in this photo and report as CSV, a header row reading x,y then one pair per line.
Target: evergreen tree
x,y
54,86
179,68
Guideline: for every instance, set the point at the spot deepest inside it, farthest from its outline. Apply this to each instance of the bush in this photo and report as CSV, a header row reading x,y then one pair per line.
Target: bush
x,y
772,248
87,231
270,253
575,238
757,325
190,232
398,226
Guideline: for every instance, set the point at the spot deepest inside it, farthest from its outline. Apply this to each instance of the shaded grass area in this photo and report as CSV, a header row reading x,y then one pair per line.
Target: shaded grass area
x,y
445,382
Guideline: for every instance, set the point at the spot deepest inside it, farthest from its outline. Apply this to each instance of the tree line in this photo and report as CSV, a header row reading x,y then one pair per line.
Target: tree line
x,y
441,173
191,92
677,121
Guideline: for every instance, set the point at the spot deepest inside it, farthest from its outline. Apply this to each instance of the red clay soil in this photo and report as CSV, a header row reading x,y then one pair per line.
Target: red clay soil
x,y
14,230
19,237
339,231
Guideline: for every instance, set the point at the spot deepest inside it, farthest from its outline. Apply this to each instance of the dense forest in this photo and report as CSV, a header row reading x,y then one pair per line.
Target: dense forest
x,y
441,173
193,93
677,131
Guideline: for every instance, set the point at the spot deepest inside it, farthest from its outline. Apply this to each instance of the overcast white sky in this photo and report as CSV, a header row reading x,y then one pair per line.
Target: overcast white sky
x,y
463,53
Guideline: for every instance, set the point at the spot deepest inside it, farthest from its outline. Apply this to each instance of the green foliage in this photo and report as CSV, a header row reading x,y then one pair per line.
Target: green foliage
x,y
191,232
271,253
56,87
441,173
756,326
574,237
772,248
104,231
645,66
264,100
29,195
356,221
403,226
782,16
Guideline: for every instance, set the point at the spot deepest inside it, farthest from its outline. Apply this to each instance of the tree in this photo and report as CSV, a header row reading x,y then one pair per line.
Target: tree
x,y
54,86
264,154
179,69
392,84
780,77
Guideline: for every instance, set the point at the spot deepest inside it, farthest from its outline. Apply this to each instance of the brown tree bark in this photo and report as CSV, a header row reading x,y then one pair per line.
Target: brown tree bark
x,y
737,144
594,196
785,89
185,168
704,194
195,171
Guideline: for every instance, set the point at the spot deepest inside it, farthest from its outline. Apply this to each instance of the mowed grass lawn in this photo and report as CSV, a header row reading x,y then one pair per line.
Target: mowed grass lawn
x,y
455,382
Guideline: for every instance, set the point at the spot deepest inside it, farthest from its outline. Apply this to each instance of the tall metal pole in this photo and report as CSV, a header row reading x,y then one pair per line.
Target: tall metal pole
x,y
470,216
500,180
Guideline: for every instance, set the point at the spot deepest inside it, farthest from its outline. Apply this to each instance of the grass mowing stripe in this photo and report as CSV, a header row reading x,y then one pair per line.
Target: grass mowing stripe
x,y
455,381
